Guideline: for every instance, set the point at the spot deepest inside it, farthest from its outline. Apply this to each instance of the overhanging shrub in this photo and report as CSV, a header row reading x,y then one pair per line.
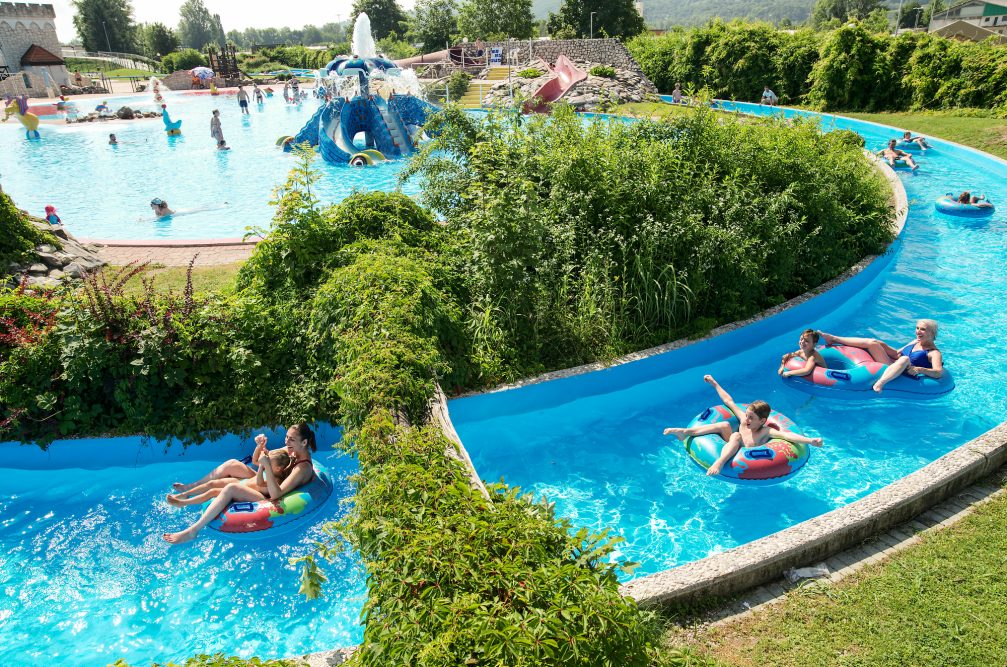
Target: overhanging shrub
x,y
18,236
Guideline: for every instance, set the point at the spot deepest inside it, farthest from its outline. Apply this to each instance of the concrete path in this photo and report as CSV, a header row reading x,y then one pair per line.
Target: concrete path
x,y
210,254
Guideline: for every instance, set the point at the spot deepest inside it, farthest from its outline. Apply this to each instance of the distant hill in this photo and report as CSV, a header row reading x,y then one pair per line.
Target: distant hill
x,y
661,13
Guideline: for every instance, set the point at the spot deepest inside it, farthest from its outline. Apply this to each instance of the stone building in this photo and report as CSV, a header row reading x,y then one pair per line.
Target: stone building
x,y
29,50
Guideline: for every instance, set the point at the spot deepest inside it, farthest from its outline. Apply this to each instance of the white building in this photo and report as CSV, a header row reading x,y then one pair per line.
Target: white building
x,y
989,17
29,48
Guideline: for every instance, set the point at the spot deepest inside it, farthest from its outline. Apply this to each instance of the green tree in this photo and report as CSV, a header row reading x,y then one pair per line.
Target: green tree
x,y
196,27
618,18
934,8
481,19
219,36
385,16
434,23
156,40
105,25
826,10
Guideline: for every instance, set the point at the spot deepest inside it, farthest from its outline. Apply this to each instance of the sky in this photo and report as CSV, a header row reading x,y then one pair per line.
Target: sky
x,y
234,14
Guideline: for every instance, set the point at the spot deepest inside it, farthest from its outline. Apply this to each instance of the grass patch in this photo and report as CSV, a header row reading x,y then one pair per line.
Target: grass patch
x,y
939,603
655,110
985,133
109,68
218,278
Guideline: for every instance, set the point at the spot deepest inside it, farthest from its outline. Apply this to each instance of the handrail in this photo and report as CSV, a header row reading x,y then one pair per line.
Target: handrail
x,y
132,60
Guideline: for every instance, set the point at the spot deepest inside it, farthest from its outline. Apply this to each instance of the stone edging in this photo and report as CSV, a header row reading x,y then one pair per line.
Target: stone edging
x,y
766,559
900,203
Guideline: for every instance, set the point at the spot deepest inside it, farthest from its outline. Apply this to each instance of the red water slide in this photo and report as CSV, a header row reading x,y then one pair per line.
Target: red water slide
x,y
566,76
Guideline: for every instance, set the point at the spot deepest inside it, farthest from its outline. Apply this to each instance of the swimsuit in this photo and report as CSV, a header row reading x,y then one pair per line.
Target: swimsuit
x,y
920,358
297,463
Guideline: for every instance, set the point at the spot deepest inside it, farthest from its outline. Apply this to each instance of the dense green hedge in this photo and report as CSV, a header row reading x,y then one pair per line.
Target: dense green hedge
x,y
182,60
848,68
578,243
18,236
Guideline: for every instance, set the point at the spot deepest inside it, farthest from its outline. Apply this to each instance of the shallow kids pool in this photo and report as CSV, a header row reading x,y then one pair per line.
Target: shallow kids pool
x,y
593,443
104,192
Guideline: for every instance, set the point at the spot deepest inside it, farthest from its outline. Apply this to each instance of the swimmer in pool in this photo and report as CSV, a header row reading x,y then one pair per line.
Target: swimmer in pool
x,y
160,207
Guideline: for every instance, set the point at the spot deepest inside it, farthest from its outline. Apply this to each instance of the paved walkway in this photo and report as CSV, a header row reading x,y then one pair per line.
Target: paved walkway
x,y
209,255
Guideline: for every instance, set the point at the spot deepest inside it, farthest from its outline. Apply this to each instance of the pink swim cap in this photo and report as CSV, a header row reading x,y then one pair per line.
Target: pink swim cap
x,y
50,209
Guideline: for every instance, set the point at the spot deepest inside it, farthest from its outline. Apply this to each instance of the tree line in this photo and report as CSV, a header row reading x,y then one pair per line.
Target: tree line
x,y
108,25
854,67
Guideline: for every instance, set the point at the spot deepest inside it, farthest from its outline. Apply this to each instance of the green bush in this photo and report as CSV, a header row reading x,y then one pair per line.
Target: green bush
x,y
849,67
458,85
603,70
613,238
185,59
18,236
530,73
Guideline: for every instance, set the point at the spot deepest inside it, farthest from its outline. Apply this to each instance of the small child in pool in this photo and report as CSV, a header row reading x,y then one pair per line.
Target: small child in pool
x,y
279,461
112,141
752,429
806,352
50,215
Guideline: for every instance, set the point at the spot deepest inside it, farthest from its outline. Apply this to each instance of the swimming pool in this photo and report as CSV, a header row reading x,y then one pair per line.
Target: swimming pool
x,y
104,192
593,445
87,578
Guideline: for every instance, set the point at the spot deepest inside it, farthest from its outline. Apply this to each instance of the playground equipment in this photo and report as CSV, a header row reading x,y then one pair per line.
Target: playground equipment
x,y
566,76
172,127
371,107
18,106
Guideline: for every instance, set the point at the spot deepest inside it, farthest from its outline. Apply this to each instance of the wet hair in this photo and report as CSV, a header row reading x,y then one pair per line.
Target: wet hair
x,y
964,198
282,460
892,142
812,334
761,409
304,432
931,326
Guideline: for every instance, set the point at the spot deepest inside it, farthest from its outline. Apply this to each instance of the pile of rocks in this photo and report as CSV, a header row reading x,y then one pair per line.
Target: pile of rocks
x,y
52,265
82,90
124,113
595,93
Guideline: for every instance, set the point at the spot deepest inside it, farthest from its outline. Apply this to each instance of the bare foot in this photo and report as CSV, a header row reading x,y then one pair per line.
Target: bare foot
x,y
713,470
828,338
677,432
182,537
173,500
179,486
878,387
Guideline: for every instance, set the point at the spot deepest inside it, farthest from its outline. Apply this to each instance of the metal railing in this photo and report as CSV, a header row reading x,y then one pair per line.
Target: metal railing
x,y
124,60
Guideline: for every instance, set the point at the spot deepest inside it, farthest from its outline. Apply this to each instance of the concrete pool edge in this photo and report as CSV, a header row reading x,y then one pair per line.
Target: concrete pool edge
x,y
766,559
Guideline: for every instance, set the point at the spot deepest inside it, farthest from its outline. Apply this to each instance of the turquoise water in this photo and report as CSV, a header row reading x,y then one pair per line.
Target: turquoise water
x,y
104,192
594,446
87,578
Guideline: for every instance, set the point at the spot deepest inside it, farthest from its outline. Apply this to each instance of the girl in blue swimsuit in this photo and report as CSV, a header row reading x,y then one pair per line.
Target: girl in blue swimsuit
x,y
919,357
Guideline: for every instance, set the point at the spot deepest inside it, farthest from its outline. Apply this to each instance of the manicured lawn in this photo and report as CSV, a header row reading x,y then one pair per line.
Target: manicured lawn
x,y
939,603
987,134
172,278
651,109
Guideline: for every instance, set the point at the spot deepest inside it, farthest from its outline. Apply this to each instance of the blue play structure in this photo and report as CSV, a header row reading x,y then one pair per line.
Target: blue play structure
x,y
364,126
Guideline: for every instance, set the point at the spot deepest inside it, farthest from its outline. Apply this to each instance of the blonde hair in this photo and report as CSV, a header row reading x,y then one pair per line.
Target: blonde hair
x,y
280,459
931,326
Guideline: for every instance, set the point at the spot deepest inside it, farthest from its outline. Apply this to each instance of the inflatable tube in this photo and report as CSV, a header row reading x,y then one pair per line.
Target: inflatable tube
x,y
376,156
268,517
361,160
851,373
948,205
909,146
772,463
902,164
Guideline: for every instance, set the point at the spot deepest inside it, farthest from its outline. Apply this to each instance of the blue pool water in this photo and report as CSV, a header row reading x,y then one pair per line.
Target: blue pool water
x,y
104,192
87,578
593,444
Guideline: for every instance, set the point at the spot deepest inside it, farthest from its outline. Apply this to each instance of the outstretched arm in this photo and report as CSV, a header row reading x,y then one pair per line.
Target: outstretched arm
x,y
809,365
725,397
794,437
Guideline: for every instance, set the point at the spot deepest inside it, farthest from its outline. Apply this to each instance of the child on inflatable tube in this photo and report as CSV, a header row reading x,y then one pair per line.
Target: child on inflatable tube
x,y
752,429
807,352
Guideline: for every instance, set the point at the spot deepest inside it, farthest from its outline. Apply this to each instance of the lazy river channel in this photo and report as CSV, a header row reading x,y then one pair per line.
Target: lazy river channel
x,y
593,443
87,579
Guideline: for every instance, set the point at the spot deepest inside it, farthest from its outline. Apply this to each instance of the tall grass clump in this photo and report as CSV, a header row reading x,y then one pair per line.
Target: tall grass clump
x,y
578,241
